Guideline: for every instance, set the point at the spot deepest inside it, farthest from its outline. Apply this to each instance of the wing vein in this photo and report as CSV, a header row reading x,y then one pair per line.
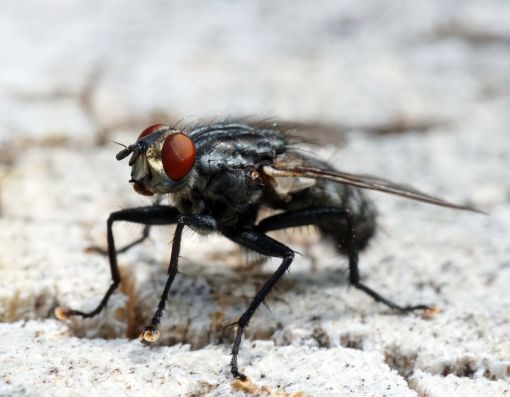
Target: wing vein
x,y
363,182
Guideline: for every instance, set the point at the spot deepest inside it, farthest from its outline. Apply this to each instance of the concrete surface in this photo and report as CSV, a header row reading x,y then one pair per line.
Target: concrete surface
x,y
421,92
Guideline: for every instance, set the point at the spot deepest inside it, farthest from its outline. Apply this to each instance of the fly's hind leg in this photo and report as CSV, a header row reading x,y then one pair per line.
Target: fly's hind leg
x,y
321,215
151,215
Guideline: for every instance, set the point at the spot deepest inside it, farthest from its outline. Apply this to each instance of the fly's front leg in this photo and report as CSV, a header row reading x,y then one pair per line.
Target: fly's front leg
x,y
264,245
151,215
318,215
203,222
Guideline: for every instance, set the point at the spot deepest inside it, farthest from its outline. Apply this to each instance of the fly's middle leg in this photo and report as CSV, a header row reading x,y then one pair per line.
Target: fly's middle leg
x,y
322,215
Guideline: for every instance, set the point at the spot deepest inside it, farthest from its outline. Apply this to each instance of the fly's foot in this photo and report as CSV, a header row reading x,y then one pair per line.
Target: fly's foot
x,y
427,312
150,334
95,249
430,310
238,375
62,313
65,313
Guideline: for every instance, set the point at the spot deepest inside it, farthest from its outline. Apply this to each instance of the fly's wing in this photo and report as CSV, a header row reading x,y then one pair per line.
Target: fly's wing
x,y
281,169
318,134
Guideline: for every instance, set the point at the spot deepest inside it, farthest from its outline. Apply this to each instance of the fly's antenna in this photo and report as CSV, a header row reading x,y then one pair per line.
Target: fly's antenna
x,y
118,143
124,153
136,149
141,145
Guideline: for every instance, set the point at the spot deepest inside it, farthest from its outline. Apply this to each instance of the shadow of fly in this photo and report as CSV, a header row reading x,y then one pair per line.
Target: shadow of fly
x,y
219,177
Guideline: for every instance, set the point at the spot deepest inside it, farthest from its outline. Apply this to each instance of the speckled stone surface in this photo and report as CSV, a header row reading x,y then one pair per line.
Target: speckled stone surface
x,y
420,92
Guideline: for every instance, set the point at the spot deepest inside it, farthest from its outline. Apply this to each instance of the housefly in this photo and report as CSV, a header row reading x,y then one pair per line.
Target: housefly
x,y
220,176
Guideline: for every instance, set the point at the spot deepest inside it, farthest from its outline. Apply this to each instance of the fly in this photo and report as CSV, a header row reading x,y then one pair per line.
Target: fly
x,y
219,176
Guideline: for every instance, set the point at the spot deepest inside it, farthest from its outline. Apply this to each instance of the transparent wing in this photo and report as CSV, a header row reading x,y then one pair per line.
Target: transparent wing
x,y
319,134
281,169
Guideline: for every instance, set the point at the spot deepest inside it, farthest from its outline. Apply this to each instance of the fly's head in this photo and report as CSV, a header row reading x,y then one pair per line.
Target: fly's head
x,y
161,161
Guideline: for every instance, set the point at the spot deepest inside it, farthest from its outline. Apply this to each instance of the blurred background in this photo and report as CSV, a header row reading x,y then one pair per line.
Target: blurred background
x,y
79,71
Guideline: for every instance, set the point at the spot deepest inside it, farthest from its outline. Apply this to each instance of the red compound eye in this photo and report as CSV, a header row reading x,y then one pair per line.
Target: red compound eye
x,y
151,129
178,155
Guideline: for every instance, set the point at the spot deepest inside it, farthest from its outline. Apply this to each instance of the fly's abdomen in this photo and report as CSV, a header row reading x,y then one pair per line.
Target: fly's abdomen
x,y
329,194
364,215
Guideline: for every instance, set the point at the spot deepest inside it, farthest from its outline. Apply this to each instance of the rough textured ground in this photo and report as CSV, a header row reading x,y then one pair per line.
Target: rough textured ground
x,y
421,93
